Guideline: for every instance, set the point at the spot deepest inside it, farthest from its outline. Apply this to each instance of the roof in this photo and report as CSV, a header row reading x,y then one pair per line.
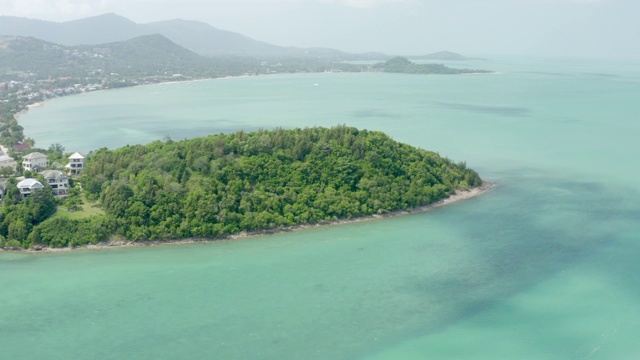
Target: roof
x,y
5,157
34,155
76,155
30,184
52,174
21,147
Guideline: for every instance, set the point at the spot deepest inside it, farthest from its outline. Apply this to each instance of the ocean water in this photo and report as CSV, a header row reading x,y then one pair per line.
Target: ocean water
x,y
544,266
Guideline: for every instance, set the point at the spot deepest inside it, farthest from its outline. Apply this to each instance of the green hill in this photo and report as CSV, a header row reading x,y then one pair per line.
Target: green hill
x,y
196,36
224,184
405,66
145,55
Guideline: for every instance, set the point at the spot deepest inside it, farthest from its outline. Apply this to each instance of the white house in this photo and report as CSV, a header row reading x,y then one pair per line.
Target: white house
x,y
76,163
26,186
58,181
7,161
35,161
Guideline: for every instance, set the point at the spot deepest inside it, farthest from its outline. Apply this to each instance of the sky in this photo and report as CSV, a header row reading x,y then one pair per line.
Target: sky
x,y
543,28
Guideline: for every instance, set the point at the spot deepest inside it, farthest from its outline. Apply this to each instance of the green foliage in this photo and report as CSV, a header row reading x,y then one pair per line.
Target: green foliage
x,y
73,199
55,153
10,131
19,216
62,232
7,171
223,184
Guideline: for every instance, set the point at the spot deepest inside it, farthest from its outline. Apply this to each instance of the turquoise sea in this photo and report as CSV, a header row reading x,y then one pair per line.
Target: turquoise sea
x,y
544,266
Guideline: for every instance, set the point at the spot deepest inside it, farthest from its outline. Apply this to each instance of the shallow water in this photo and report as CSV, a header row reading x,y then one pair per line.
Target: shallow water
x,y
541,267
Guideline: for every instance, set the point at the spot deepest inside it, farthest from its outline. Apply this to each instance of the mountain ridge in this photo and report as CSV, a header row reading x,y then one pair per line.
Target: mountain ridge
x,y
144,55
196,36
199,37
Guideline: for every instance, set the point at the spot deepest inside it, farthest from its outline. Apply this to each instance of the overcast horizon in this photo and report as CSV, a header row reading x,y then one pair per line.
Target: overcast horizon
x,y
543,28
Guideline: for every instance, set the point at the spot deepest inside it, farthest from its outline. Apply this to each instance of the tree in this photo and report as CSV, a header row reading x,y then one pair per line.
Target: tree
x,y
56,152
18,230
6,171
56,148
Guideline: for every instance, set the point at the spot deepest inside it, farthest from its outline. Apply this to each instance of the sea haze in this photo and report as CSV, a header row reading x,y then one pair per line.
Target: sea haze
x,y
544,266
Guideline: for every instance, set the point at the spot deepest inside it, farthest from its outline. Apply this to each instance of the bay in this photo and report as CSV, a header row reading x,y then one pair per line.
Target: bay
x,y
541,267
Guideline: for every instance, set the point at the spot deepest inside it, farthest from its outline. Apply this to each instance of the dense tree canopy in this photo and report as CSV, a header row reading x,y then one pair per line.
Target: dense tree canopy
x,y
223,184
18,216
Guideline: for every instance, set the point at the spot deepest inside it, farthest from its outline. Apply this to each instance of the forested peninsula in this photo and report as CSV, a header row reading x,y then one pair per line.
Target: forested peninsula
x,y
220,185
403,65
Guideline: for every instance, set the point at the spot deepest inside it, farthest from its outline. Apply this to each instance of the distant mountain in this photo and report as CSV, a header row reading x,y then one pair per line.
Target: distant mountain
x,y
142,56
198,37
147,58
444,56
209,41
89,31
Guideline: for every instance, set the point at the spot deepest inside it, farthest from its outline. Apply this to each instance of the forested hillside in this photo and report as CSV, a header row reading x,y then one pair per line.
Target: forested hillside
x,y
224,184
146,55
196,36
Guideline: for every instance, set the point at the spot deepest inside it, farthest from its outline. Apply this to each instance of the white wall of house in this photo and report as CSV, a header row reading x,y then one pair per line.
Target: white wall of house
x,y
76,163
26,186
34,161
58,181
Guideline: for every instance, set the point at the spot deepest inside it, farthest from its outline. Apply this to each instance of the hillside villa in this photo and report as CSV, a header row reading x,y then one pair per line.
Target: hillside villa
x,y
58,181
76,163
38,162
26,186
35,161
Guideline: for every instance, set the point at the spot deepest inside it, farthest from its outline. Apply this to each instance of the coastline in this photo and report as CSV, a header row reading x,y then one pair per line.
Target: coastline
x,y
459,195
168,82
36,104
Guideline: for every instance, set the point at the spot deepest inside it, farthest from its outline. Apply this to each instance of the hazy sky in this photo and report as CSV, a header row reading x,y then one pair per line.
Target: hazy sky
x,y
566,28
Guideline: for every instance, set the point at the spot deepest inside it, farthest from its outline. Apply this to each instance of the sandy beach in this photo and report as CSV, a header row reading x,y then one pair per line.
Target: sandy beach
x,y
460,195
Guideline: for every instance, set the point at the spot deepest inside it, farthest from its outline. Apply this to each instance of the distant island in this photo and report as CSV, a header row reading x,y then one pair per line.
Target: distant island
x,y
220,185
405,66
445,56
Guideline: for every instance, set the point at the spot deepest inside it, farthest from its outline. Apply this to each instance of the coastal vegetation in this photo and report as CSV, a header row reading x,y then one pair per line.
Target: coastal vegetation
x,y
405,66
224,184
